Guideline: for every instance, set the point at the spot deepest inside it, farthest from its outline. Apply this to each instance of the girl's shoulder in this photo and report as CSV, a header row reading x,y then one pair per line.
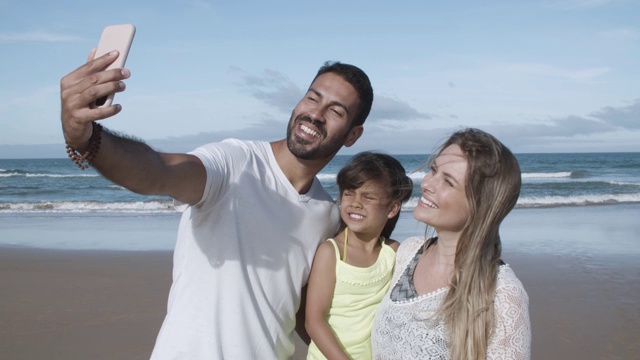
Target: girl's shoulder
x,y
328,250
393,244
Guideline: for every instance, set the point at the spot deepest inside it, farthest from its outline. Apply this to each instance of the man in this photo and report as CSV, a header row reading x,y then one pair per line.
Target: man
x,y
254,212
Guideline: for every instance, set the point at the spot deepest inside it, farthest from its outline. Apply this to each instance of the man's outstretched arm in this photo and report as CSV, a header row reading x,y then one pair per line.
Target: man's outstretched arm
x,y
125,161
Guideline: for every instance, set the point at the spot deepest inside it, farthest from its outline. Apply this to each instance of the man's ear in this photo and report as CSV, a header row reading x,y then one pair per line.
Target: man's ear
x,y
354,135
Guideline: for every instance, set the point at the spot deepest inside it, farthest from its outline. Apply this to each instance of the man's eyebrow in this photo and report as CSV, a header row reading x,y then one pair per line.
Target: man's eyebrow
x,y
334,102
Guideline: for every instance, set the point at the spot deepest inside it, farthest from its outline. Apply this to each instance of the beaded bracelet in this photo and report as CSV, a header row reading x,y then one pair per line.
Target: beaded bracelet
x,y
84,160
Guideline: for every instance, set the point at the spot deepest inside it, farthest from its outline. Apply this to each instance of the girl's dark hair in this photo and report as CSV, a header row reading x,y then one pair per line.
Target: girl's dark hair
x,y
384,170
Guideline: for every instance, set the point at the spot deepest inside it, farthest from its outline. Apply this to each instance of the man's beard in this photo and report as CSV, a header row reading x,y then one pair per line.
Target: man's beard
x,y
301,148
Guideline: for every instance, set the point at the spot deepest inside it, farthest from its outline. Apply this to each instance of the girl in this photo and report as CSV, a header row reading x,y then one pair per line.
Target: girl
x,y
351,272
452,297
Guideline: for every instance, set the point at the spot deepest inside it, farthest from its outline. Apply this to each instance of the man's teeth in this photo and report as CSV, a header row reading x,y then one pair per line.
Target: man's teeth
x,y
428,203
309,131
356,216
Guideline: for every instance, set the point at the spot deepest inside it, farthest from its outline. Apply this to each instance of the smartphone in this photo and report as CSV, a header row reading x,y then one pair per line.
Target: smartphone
x,y
114,37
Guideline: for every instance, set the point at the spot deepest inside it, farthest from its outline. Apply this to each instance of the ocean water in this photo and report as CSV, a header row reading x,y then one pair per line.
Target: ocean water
x,y
40,186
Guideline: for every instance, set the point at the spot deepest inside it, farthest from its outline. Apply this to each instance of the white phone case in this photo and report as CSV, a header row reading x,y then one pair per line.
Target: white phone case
x,y
114,37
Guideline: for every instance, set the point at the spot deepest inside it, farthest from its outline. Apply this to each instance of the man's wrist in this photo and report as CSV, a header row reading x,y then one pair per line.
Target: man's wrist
x,y
83,160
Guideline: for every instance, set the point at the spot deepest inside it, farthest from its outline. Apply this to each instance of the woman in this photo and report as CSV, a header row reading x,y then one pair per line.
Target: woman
x,y
451,296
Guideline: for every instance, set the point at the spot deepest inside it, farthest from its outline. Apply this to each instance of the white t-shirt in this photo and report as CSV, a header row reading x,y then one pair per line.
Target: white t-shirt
x,y
242,256
406,329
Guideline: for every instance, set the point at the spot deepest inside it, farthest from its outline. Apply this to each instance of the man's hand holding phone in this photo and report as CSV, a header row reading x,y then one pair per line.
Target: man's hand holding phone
x,y
99,78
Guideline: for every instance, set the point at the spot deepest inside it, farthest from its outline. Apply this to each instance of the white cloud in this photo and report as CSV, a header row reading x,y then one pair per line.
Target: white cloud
x,y
620,34
387,108
273,88
276,89
625,117
37,97
202,5
588,133
576,4
579,75
36,36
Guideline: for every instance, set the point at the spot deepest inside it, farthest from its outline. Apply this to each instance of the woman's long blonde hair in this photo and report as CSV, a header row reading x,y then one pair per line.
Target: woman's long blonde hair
x,y
492,189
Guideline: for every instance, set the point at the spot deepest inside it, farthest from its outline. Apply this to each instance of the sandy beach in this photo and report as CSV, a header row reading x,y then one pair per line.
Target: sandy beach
x,y
580,266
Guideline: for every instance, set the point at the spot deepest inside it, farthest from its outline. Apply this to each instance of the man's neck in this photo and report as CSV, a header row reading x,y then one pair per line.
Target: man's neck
x,y
299,172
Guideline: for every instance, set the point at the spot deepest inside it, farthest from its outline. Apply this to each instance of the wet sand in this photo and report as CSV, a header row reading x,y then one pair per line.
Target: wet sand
x,y
580,266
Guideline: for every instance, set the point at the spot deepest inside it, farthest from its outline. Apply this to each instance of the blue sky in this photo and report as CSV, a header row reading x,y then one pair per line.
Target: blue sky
x,y
542,76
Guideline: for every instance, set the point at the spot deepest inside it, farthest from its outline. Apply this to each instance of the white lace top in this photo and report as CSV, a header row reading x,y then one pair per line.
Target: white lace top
x,y
405,330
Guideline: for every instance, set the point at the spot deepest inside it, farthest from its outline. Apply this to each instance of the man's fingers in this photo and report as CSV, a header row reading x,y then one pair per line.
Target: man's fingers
x,y
77,129
98,91
81,99
93,86
101,62
91,67
92,54
99,113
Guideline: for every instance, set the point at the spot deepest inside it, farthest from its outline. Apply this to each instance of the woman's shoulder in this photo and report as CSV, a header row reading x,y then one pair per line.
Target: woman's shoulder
x,y
411,244
509,286
407,250
506,276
